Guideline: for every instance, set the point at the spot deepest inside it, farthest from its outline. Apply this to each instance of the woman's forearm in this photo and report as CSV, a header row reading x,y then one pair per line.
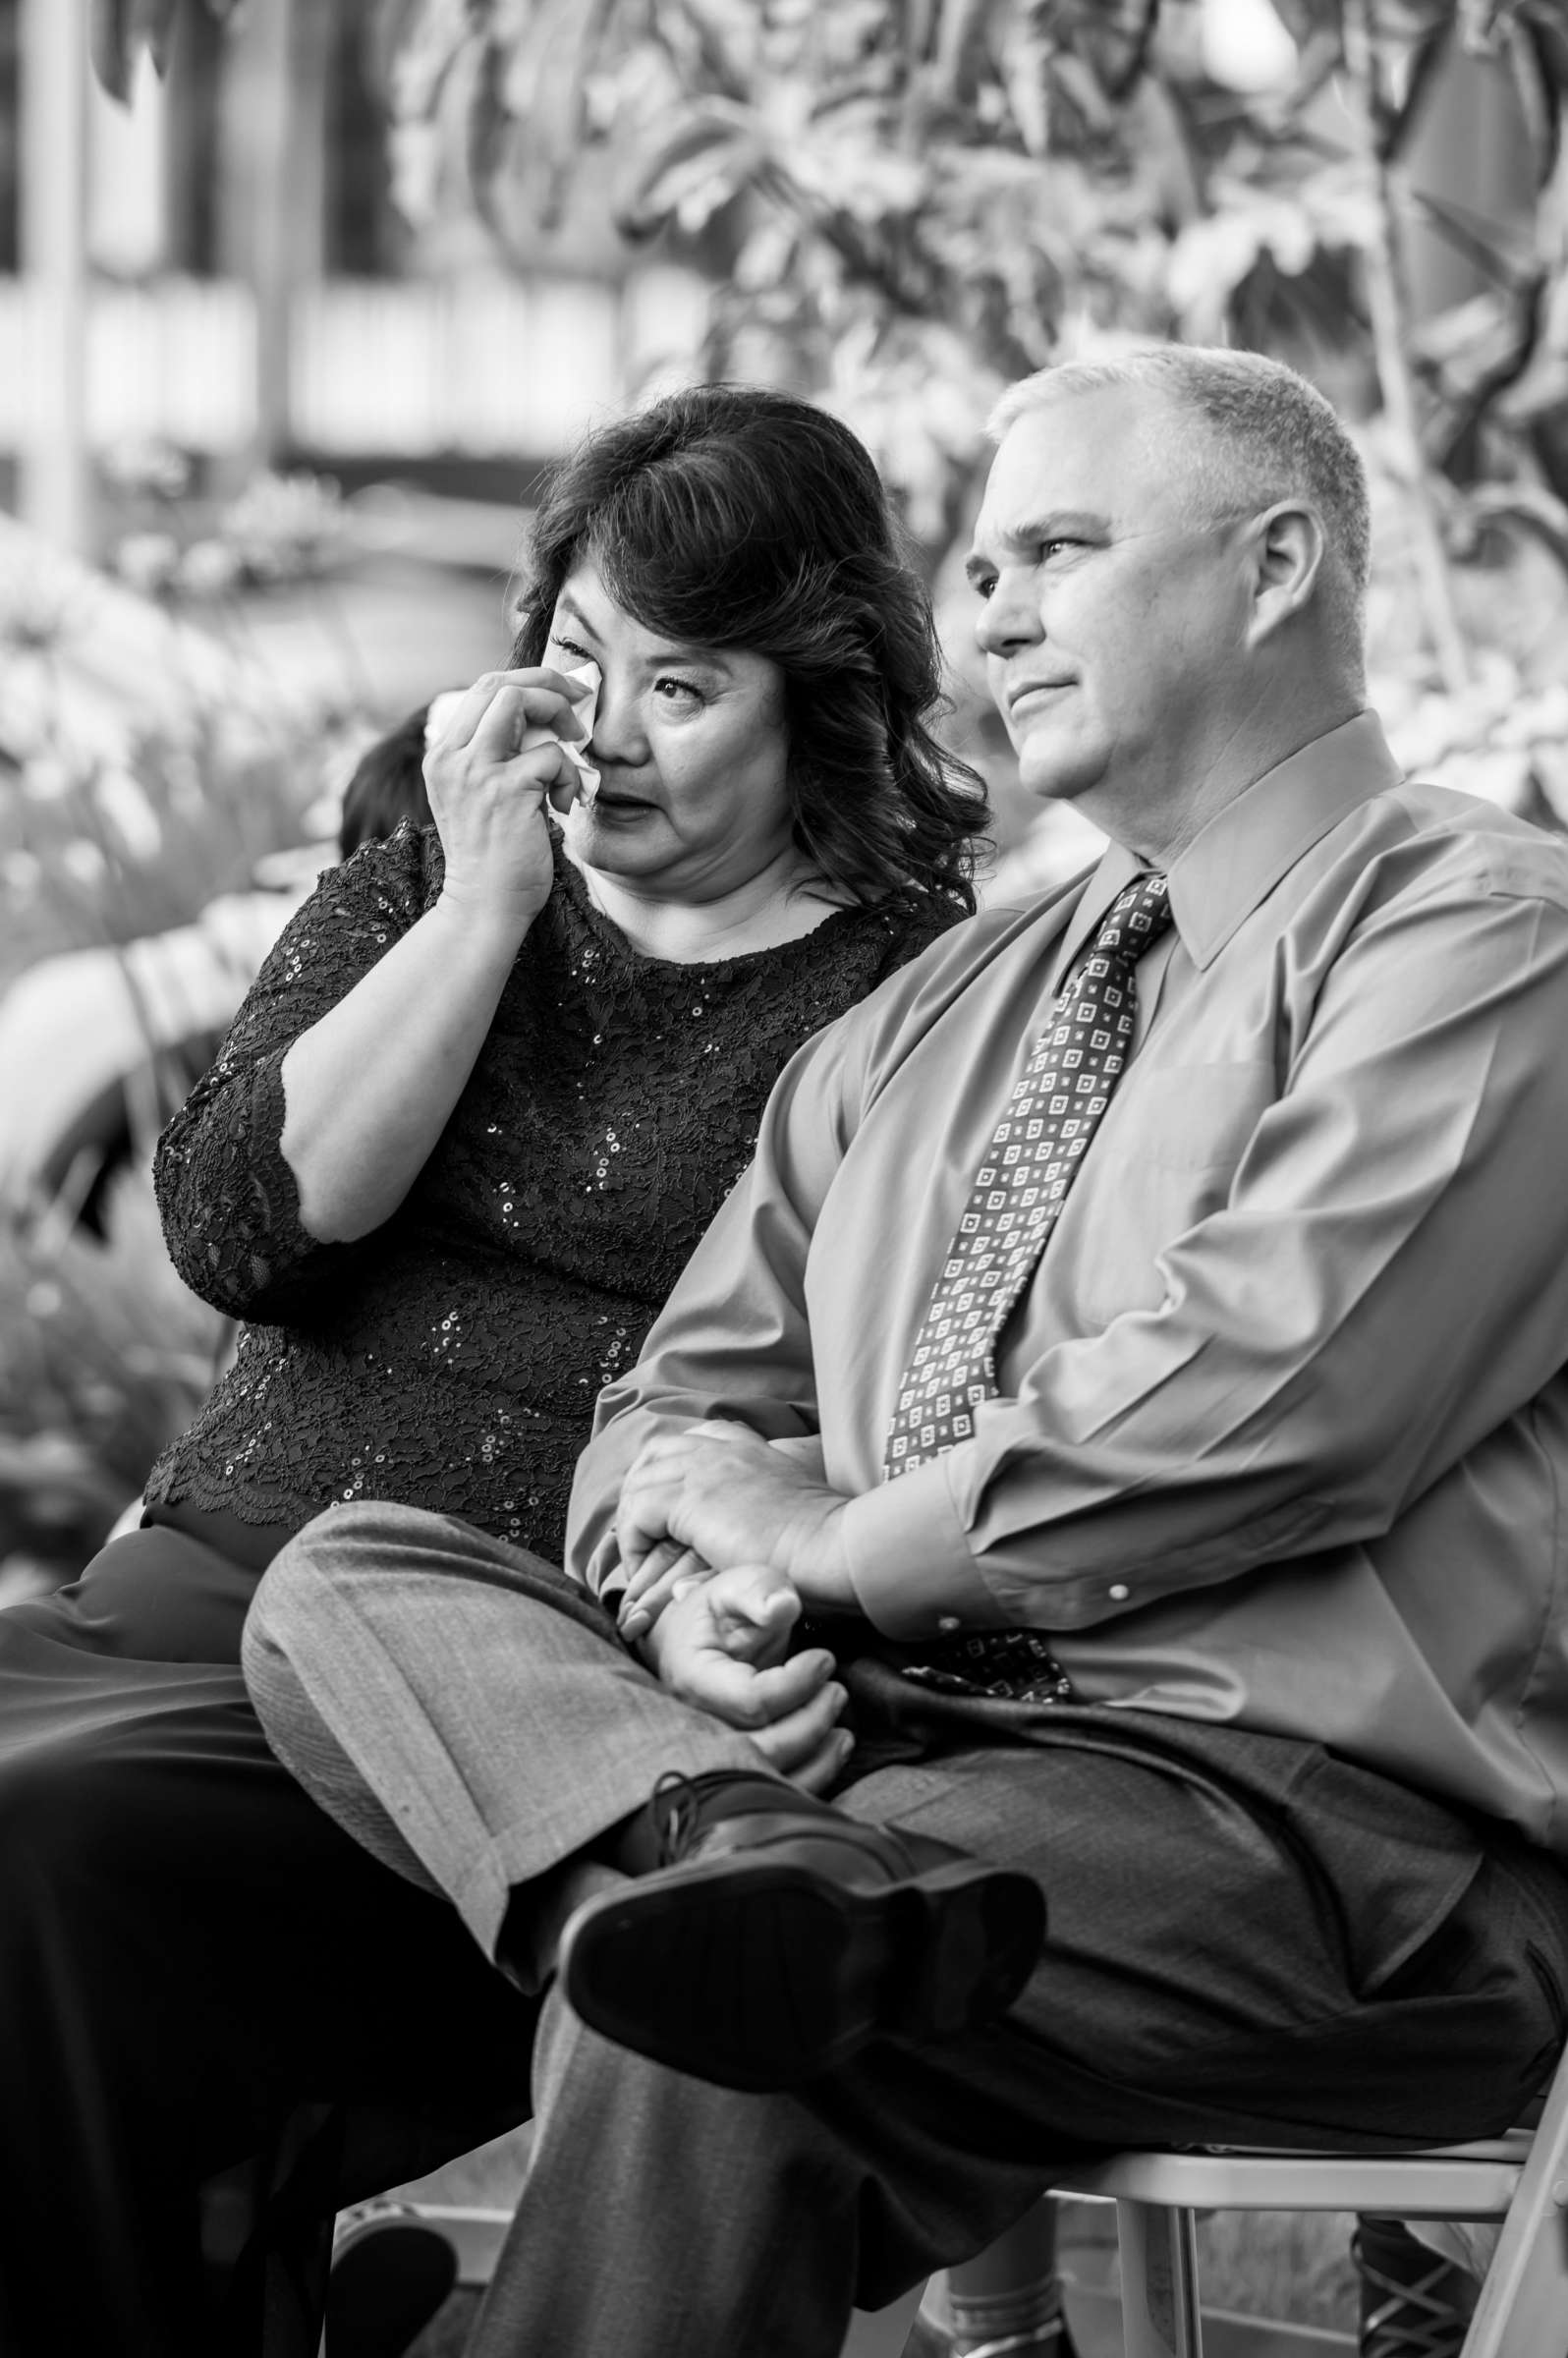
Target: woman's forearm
x,y
368,1089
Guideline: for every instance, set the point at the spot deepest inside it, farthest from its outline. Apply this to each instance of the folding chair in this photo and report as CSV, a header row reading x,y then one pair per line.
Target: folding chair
x,y
477,2234
1521,2179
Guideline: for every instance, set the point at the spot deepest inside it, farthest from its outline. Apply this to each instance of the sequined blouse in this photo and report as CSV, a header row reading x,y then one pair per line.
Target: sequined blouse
x,y
451,1360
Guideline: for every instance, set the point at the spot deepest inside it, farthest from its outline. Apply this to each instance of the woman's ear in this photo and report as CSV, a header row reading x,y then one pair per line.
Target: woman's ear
x,y
1286,559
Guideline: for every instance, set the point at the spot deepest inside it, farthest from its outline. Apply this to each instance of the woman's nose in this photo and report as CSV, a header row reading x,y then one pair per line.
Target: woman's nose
x,y
618,731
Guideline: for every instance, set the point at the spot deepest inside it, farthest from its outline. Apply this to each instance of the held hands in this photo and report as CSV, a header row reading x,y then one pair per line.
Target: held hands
x,y
722,1492
487,774
720,1645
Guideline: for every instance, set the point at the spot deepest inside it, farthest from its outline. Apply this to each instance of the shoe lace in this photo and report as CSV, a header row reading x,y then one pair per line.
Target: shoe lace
x,y
1412,2317
676,1815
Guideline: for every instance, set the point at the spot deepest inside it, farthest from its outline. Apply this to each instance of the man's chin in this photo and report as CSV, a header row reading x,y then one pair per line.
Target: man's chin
x,y
1050,774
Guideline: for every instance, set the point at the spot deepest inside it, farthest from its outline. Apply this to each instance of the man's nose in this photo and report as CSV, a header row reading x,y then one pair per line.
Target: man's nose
x,y
1009,618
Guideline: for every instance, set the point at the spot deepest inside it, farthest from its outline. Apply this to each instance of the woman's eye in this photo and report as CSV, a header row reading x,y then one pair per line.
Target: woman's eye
x,y
571,648
674,691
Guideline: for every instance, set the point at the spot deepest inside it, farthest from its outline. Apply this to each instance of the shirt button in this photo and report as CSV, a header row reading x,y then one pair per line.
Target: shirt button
x,y
1119,1592
947,1623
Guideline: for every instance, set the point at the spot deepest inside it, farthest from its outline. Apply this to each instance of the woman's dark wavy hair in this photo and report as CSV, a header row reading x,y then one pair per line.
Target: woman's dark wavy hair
x,y
732,517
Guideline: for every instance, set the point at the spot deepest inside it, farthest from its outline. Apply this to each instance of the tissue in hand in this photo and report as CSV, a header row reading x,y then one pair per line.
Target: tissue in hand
x,y
587,710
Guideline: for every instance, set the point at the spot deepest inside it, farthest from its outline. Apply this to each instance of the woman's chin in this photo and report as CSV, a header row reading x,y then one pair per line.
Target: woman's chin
x,y
614,841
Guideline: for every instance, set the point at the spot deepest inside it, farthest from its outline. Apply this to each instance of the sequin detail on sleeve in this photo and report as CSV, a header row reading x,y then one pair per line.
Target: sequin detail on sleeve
x,y
228,1199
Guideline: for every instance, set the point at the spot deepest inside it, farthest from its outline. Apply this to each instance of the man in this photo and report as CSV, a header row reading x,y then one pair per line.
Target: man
x,y
1137,1347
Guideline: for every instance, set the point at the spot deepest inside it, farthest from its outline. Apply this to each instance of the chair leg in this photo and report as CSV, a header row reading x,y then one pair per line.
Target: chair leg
x,y
1159,2282
1523,2309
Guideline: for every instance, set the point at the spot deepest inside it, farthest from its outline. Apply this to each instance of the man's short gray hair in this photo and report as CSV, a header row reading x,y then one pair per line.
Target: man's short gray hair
x,y
1271,437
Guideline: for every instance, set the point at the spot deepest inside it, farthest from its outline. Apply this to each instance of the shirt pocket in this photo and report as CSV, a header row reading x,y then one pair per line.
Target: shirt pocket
x,y
1165,1160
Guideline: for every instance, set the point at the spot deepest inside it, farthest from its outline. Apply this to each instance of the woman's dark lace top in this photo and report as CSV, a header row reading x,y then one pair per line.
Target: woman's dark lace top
x,y
451,1360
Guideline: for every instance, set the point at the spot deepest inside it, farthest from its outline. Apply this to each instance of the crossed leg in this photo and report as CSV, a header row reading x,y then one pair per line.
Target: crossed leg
x,y
1250,1941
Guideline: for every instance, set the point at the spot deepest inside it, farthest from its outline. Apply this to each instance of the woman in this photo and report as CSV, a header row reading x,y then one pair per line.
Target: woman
x,y
478,1106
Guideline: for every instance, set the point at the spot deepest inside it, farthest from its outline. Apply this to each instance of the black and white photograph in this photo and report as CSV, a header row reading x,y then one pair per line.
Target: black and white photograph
x,y
783,1178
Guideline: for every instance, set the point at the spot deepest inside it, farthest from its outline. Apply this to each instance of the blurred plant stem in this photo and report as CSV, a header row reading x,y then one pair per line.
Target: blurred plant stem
x,y
1389,314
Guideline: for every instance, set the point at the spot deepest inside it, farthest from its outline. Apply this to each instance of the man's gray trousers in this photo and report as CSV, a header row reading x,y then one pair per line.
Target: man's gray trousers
x,y
1250,1940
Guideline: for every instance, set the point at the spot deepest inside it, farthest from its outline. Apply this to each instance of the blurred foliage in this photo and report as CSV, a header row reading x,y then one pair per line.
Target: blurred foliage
x,y
282,527
909,202
147,768
103,1359
966,182
119,29
902,205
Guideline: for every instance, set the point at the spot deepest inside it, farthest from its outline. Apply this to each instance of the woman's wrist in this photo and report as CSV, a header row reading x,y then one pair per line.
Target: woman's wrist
x,y
483,924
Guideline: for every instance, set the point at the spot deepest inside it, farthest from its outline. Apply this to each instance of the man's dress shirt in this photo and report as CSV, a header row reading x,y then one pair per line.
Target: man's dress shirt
x,y
1282,1431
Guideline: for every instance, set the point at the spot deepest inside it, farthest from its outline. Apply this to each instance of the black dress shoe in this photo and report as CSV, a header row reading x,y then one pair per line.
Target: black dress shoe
x,y
1414,2303
781,1936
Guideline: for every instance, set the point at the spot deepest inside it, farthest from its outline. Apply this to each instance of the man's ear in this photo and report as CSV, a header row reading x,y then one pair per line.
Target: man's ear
x,y
1285,557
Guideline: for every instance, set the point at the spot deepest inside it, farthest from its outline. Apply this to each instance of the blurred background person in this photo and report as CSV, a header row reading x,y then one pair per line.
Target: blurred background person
x,y
389,782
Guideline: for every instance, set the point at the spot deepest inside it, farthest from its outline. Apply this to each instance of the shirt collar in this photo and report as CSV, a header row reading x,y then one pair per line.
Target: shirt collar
x,y
1240,855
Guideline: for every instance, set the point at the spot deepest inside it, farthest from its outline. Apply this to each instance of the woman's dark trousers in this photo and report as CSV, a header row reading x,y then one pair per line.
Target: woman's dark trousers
x,y
219,2016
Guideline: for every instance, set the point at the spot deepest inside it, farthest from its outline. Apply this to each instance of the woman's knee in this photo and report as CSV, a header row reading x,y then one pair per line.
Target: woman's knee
x,y
63,1830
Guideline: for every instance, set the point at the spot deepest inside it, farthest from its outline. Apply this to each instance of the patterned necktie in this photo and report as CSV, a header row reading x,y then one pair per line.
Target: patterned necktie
x,y
1033,1156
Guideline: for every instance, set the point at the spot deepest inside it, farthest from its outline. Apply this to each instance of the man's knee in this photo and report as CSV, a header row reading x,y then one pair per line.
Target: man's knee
x,y
371,1553
367,1539
271,1680
344,1568
364,1533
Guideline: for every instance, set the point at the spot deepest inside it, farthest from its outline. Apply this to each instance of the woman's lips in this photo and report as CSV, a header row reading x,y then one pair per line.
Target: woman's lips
x,y
1039,689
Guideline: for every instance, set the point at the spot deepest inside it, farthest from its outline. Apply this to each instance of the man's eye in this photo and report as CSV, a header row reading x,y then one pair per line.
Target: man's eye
x,y
983,585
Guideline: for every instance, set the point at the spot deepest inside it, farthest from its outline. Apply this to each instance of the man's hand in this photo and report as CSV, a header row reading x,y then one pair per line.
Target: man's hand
x,y
722,1492
721,1646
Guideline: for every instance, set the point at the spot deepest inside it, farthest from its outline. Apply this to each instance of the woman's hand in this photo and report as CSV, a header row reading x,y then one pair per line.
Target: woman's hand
x,y
721,1644
487,774
369,1087
666,1572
